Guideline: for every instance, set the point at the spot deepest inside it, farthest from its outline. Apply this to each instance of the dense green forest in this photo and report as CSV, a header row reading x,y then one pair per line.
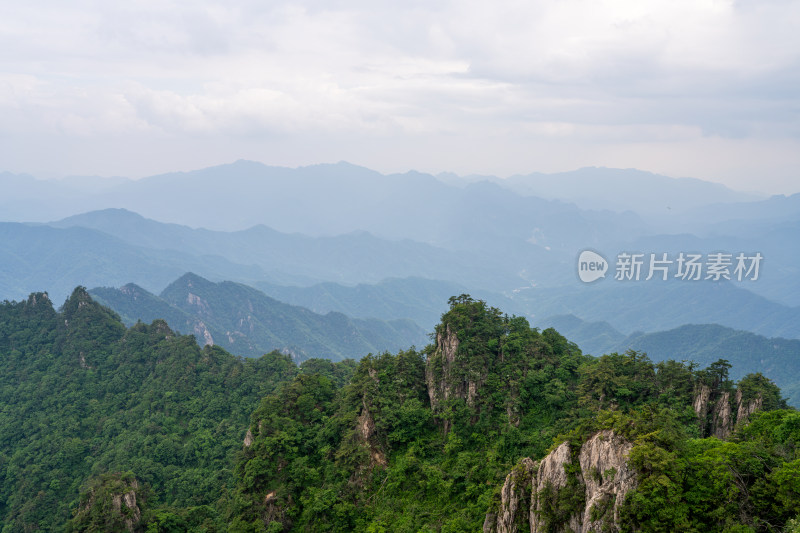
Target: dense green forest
x,y
108,428
82,397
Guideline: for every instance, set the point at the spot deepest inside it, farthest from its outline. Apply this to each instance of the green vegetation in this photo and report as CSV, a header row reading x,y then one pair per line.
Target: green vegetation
x,y
776,358
104,428
82,397
384,454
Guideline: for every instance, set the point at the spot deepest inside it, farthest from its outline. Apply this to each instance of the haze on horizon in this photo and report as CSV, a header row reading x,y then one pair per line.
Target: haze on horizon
x,y
704,88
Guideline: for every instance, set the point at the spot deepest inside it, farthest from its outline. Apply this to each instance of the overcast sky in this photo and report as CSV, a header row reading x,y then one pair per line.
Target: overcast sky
x,y
709,89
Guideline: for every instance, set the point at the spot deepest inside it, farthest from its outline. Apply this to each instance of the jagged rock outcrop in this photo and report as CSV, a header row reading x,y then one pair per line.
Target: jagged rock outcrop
x,y
442,361
367,435
745,409
715,413
36,298
112,503
722,421
550,481
447,378
702,395
514,508
553,495
132,513
201,332
604,458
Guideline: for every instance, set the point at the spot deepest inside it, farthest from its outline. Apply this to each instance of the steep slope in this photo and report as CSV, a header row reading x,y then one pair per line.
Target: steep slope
x,y
135,304
378,455
595,479
640,472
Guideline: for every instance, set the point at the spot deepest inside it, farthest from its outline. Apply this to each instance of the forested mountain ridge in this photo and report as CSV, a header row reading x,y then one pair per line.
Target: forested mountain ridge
x,y
83,397
245,321
140,429
776,358
424,441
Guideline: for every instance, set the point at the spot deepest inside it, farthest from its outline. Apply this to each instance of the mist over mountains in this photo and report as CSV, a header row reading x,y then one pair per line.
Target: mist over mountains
x,y
346,239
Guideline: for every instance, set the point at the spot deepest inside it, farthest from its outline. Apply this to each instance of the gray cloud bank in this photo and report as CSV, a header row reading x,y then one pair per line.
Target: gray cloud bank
x,y
703,88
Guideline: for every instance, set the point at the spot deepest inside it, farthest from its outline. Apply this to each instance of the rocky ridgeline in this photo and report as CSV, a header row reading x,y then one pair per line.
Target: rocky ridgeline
x,y
581,489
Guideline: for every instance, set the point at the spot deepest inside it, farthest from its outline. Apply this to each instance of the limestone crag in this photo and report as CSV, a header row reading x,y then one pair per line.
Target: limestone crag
x,y
607,477
445,355
746,408
601,483
702,395
715,412
722,422
446,377
514,497
367,434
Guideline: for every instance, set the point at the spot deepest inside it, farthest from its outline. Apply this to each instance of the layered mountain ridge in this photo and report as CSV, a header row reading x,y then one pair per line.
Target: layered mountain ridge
x,y
245,321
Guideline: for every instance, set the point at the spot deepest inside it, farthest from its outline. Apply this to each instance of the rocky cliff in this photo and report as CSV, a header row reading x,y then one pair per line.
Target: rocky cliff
x,y
446,375
579,490
715,411
111,503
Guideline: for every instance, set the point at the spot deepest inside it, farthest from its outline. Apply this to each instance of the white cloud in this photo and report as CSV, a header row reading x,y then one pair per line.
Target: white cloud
x,y
475,83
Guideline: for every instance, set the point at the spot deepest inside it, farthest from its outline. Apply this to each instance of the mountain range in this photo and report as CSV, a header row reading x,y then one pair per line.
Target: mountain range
x,y
246,322
345,239
776,358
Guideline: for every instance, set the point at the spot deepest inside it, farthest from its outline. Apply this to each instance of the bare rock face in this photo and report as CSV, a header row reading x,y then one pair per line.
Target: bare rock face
x,y
722,423
36,298
514,500
132,514
715,412
551,469
596,489
200,304
713,409
445,376
444,357
366,432
702,396
551,478
746,409
607,477
111,504
201,331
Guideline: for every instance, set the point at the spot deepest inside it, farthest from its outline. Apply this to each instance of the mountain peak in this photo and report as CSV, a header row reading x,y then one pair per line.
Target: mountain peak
x,y
109,215
188,280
